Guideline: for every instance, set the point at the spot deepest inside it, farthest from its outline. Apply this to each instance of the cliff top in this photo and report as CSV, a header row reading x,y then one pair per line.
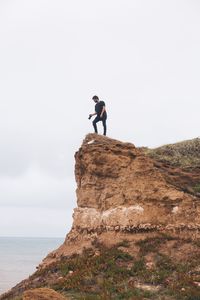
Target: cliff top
x,y
136,227
182,154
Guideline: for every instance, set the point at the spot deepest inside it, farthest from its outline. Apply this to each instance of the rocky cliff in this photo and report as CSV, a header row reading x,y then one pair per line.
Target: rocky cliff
x,y
121,190
124,195
180,164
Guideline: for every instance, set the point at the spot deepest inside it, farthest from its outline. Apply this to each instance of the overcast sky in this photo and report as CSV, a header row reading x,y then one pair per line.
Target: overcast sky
x,y
142,57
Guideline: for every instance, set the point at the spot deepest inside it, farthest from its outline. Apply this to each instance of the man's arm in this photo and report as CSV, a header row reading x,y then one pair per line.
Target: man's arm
x,y
91,115
103,109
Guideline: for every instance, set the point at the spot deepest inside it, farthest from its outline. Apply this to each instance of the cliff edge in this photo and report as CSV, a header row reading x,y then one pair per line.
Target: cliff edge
x,y
121,190
127,201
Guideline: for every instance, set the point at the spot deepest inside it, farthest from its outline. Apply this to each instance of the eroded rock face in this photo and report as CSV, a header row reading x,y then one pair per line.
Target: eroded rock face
x,y
122,194
118,185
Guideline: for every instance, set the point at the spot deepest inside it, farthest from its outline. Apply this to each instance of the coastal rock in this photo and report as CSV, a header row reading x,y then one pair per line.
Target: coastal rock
x,y
124,197
117,184
120,189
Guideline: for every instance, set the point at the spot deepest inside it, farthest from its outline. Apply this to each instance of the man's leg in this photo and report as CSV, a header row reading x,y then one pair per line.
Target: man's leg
x,y
97,119
104,126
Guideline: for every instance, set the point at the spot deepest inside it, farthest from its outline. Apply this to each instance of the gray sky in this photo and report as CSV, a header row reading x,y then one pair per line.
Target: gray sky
x,y
140,56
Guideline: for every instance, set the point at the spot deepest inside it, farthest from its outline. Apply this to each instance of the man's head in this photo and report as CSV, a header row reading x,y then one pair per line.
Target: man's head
x,y
95,98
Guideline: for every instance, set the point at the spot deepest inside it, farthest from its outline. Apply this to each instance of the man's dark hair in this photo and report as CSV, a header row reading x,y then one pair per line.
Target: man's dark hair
x,y
95,98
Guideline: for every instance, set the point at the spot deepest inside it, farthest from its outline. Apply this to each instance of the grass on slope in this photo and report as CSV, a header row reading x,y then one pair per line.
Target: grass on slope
x,y
183,154
110,273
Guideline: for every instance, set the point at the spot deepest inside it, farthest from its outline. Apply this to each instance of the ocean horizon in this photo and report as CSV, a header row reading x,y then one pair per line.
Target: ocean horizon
x,y
19,257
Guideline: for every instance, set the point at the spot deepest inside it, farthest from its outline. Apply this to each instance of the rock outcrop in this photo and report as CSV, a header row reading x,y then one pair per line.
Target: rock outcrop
x,y
180,164
118,186
123,196
122,191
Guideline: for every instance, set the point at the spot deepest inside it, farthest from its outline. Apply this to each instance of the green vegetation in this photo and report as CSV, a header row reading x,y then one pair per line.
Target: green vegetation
x,y
109,273
197,188
151,244
183,154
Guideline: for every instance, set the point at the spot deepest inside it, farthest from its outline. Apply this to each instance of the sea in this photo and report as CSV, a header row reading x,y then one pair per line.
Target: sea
x,y
19,257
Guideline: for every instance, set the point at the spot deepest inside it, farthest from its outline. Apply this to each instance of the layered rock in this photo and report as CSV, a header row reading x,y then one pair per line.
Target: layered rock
x,y
122,194
122,191
180,164
118,186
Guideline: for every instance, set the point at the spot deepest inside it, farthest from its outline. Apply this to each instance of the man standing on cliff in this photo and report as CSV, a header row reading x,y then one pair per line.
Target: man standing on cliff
x,y
100,112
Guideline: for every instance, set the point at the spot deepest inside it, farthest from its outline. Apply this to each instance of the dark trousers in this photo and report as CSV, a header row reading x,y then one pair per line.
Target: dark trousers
x,y
96,120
